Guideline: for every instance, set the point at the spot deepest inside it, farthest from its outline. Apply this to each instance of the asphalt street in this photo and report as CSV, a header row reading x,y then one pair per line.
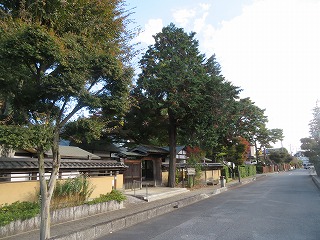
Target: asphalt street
x,y
279,206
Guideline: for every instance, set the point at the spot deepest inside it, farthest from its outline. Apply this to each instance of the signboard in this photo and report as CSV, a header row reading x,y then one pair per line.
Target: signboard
x,y
191,171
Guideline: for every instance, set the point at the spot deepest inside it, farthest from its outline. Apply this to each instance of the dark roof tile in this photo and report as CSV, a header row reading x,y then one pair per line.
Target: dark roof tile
x,y
22,164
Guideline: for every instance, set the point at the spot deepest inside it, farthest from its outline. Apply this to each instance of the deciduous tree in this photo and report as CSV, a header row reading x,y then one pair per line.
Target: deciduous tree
x,y
58,58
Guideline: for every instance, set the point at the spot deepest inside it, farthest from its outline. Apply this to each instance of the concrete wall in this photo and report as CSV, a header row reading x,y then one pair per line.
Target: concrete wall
x,y
11,192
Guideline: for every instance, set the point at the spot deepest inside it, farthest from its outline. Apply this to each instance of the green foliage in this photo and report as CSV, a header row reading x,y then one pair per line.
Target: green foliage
x,y
178,176
247,170
58,57
169,86
28,136
280,155
114,195
26,210
252,170
71,192
84,130
236,151
193,161
18,211
259,169
225,172
243,118
312,144
191,181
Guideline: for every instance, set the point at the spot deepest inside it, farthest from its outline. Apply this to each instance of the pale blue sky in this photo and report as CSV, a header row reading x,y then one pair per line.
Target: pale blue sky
x,y
269,48
150,9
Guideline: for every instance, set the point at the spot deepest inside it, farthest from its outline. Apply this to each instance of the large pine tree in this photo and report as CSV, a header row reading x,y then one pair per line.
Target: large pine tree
x,y
171,83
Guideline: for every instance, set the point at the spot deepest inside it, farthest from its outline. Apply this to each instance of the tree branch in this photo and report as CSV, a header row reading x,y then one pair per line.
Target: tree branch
x,y
70,115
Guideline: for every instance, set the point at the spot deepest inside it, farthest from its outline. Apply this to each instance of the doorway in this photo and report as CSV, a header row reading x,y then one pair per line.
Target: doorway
x,y
147,170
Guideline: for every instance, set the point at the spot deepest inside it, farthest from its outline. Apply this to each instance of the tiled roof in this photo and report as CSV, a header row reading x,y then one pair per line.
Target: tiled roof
x,y
130,154
178,148
98,145
147,149
73,152
23,164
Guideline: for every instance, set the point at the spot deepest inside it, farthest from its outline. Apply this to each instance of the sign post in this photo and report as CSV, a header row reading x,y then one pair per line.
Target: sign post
x,y
191,172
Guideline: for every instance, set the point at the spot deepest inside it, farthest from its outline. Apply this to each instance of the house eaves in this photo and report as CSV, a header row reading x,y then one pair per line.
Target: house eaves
x,y
31,164
178,148
148,149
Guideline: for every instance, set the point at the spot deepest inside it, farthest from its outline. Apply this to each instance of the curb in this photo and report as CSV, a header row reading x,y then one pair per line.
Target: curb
x,y
316,180
108,227
161,195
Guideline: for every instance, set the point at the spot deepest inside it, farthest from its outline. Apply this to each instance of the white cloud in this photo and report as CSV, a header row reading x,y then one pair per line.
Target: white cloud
x,y
194,18
183,16
272,51
151,28
205,6
200,23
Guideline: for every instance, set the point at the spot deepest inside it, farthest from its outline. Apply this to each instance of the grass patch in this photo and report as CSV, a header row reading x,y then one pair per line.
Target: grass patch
x,y
18,211
26,210
71,192
114,195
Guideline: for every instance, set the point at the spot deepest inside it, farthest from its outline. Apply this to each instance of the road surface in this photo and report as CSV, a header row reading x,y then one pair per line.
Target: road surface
x,y
279,206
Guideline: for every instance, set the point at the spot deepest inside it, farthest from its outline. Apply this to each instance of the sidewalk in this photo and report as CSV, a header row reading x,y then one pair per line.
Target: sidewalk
x,y
158,201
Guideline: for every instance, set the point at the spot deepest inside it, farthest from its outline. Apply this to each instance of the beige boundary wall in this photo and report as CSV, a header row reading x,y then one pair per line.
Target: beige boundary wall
x,y
210,175
206,176
11,192
165,178
105,184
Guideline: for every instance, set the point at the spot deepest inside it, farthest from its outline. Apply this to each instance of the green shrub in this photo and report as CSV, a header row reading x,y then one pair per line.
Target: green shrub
x,y
114,195
252,170
259,169
225,172
71,192
26,210
247,170
194,162
18,210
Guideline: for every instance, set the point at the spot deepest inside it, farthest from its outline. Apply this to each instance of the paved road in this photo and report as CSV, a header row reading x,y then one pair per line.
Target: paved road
x,y
279,206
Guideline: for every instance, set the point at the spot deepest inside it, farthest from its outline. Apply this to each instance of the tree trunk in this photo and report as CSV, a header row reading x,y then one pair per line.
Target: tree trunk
x,y
172,151
46,190
257,151
55,162
45,204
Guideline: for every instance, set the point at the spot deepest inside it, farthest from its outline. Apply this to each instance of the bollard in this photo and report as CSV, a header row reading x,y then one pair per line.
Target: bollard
x,y
222,181
134,187
147,190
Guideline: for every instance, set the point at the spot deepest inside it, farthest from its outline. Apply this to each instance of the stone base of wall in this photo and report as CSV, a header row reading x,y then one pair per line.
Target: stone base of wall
x,y
60,216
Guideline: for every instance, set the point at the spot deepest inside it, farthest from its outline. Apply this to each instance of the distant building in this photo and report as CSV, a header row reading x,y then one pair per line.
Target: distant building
x,y
301,156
